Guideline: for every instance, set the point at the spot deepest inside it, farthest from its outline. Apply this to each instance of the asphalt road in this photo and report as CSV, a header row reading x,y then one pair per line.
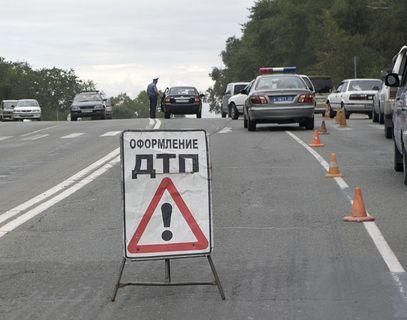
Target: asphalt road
x,y
281,250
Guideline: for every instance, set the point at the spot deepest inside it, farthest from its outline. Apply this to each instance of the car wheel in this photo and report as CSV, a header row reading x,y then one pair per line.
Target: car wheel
x,y
167,115
375,116
388,131
332,113
370,115
398,159
234,114
309,124
244,122
251,125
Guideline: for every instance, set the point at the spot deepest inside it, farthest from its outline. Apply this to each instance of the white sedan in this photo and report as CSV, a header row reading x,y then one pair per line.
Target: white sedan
x,y
354,96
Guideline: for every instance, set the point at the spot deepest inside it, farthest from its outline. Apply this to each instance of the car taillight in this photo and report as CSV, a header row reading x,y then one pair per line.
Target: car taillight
x,y
258,100
306,98
392,93
197,99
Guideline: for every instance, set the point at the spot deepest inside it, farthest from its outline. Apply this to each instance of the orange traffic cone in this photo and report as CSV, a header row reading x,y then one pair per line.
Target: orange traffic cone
x,y
323,129
342,120
333,171
316,143
338,114
358,212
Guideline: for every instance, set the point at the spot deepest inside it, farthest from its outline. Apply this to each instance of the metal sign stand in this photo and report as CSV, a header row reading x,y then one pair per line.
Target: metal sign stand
x,y
168,282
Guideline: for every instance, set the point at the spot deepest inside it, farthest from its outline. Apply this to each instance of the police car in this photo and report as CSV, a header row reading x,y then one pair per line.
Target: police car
x,y
279,95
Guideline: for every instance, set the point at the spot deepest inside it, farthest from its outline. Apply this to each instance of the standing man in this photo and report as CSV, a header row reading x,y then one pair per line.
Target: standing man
x,y
152,93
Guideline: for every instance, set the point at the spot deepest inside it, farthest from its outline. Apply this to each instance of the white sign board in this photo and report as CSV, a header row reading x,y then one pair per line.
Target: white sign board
x,y
166,193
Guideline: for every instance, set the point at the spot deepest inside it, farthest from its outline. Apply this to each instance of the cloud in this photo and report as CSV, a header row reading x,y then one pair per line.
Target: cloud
x,y
122,44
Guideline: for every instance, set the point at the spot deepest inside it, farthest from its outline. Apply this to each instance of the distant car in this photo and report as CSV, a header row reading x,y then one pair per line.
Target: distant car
x,y
381,104
7,109
355,96
93,104
182,100
232,89
236,104
400,117
323,87
278,96
27,109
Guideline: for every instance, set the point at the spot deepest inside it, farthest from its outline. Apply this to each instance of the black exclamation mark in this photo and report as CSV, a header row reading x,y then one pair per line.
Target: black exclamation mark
x,y
166,210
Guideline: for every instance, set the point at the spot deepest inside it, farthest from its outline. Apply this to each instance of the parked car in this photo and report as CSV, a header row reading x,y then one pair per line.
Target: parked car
x,y
354,96
231,90
93,104
182,100
400,118
236,104
27,109
7,109
323,86
278,96
399,61
383,104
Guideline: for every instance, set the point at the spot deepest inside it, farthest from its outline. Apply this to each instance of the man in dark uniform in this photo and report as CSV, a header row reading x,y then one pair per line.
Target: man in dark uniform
x,y
152,93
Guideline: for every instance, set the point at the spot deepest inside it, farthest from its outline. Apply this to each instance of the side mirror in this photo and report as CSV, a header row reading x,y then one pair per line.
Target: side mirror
x,y
244,91
227,92
202,95
392,80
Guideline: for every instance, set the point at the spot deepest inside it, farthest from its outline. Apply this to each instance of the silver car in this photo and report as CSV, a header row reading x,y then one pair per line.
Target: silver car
x,y
27,109
7,109
279,98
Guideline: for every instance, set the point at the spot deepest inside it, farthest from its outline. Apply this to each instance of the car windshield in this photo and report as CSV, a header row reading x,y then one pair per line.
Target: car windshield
x,y
83,97
9,104
189,91
277,82
322,85
239,87
27,103
361,85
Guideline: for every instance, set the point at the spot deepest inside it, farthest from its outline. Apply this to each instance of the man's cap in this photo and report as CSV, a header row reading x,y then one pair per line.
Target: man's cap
x,y
155,78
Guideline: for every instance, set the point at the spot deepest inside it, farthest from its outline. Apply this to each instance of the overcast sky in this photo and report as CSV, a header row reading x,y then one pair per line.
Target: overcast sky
x,y
122,44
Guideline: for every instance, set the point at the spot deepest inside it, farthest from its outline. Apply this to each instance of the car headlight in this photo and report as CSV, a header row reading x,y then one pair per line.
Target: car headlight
x,y
99,106
74,108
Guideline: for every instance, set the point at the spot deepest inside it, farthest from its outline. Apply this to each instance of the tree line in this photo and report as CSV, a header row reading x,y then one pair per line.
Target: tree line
x,y
319,37
55,89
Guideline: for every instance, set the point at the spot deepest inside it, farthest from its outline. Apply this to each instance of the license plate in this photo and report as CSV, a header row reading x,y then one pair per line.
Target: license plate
x,y
87,111
182,100
282,99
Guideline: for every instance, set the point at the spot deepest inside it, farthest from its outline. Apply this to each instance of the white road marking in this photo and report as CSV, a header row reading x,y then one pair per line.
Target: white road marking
x,y
377,126
342,129
59,187
111,134
74,183
5,138
373,230
36,131
36,137
73,135
49,203
225,130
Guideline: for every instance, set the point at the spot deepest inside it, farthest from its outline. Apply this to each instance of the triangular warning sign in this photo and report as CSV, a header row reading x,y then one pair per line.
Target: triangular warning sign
x,y
201,243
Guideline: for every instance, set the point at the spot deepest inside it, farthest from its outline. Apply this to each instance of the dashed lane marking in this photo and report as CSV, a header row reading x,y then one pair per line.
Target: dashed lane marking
x,y
36,137
111,134
36,131
377,126
372,229
5,138
342,129
225,130
73,135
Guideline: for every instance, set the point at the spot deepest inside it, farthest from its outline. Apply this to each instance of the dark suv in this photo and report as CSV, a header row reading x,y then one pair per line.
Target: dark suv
x,y
93,104
400,116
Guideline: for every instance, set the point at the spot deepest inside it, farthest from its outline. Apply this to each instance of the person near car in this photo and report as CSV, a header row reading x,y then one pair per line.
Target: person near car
x,y
152,93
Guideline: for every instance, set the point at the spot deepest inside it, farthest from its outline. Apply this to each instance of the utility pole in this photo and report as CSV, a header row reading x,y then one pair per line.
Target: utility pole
x,y
355,67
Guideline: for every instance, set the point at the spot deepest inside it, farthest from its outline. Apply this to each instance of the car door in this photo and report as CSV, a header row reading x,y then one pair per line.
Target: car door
x,y
334,99
400,112
226,96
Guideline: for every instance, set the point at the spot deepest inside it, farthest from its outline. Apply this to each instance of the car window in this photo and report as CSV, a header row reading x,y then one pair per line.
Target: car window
x,y
239,87
344,86
228,89
276,82
309,83
322,85
190,91
27,103
84,97
361,85
339,88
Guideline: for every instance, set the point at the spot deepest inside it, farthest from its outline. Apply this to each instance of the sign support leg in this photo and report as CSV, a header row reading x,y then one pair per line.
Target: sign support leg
x,y
168,270
215,275
117,286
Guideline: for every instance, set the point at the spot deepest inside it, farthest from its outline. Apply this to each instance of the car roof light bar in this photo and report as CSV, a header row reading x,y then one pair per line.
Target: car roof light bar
x,y
269,70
